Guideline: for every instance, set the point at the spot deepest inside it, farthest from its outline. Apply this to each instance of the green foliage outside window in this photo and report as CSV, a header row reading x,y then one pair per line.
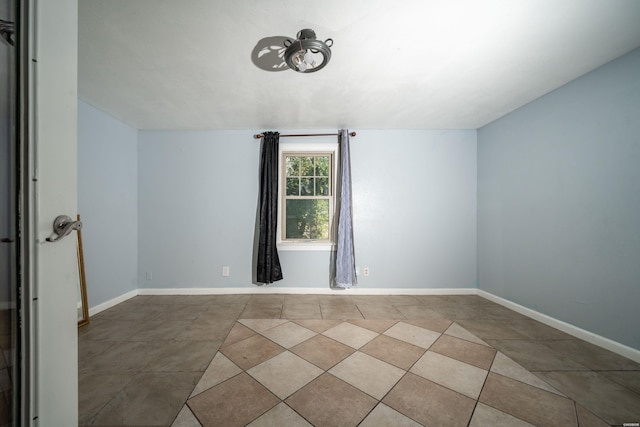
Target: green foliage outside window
x,y
307,197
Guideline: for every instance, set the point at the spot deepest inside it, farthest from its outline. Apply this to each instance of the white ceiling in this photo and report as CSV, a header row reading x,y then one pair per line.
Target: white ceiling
x,y
403,64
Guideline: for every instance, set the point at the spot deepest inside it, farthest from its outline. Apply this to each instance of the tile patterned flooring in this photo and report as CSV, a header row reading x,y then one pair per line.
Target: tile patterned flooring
x,y
335,360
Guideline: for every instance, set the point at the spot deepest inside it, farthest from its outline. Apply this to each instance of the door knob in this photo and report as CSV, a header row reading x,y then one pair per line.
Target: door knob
x,y
63,225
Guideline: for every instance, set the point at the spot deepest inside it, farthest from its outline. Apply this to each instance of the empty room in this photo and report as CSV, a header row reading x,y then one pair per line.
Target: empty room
x,y
356,213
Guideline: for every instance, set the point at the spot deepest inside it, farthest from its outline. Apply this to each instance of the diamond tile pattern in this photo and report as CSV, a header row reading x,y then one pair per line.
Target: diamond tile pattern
x,y
213,361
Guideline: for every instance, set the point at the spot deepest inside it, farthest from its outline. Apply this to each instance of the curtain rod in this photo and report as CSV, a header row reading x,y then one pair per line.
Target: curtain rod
x,y
261,135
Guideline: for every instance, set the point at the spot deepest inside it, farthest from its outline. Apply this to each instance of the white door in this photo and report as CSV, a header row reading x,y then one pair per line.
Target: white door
x,y
54,192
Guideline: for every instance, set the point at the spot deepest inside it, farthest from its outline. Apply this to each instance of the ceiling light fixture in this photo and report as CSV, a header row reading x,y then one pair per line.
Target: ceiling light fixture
x,y
306,54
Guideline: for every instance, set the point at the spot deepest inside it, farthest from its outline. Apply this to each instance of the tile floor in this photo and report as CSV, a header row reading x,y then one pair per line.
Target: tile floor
x,y
335,360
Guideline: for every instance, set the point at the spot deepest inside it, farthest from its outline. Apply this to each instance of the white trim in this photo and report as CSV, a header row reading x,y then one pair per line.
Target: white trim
x,y
590,337
112,302
315,291
308,246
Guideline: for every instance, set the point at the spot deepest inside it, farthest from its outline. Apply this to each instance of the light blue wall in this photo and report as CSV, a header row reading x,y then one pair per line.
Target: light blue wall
x,y
107,202
559,203
414,210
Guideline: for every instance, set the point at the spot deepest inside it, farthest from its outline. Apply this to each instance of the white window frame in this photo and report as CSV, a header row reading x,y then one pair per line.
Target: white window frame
x,y
311,148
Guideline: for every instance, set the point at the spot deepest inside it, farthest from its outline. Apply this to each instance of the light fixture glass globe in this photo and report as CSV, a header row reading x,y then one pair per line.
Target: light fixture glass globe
x,y
307,54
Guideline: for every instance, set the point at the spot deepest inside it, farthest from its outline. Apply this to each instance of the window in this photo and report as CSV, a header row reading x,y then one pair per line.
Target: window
x,y
307,198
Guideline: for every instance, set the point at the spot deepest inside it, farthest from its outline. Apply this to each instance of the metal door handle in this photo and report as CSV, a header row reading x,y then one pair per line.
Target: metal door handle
x,y
63,225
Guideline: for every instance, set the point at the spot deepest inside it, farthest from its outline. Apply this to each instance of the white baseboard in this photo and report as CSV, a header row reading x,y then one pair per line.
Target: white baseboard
x,y
306,291
112,302
590,337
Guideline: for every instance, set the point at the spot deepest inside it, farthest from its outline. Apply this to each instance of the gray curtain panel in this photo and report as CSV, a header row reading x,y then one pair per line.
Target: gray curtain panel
x,y
345,254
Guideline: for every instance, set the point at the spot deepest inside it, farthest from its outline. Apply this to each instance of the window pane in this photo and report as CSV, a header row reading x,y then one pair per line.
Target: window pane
x,y
322,166
293,186
293,166
322,186
307,219
306,166
306,186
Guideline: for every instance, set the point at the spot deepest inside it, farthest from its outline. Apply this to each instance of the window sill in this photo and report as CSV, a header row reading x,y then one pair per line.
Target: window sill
x,y
306,246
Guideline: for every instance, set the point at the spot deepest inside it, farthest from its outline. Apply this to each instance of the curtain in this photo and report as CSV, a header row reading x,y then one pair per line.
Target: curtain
x,y
345,254
268,265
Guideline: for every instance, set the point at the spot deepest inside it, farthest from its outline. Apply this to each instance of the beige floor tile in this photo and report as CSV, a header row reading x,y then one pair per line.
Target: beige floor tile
x,y
263,299
418,312
608,400
382,415
204,331
161,330
231,299
181,332
182,312
491,329
183,356
261,312
235,402
289,334
538,331
370,311
238,333
96,390
351,335
261,325
107,329
498,312
322,351
330,402
318,325
429,403
285,374
412,334
393,351
280,416
629,379
535,356
402,300
186,418
152,399
220,369
508,368
436,324
484,416
124,357
336,299
588,419
592,356
368,374
458,331
464,351
458,312
301,299
526,402
375,325
219,311
301,311
451,373
340,311
252,351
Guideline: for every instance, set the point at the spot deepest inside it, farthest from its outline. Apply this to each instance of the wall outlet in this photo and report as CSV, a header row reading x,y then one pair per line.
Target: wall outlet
x,y
365,271
149,275
225,271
